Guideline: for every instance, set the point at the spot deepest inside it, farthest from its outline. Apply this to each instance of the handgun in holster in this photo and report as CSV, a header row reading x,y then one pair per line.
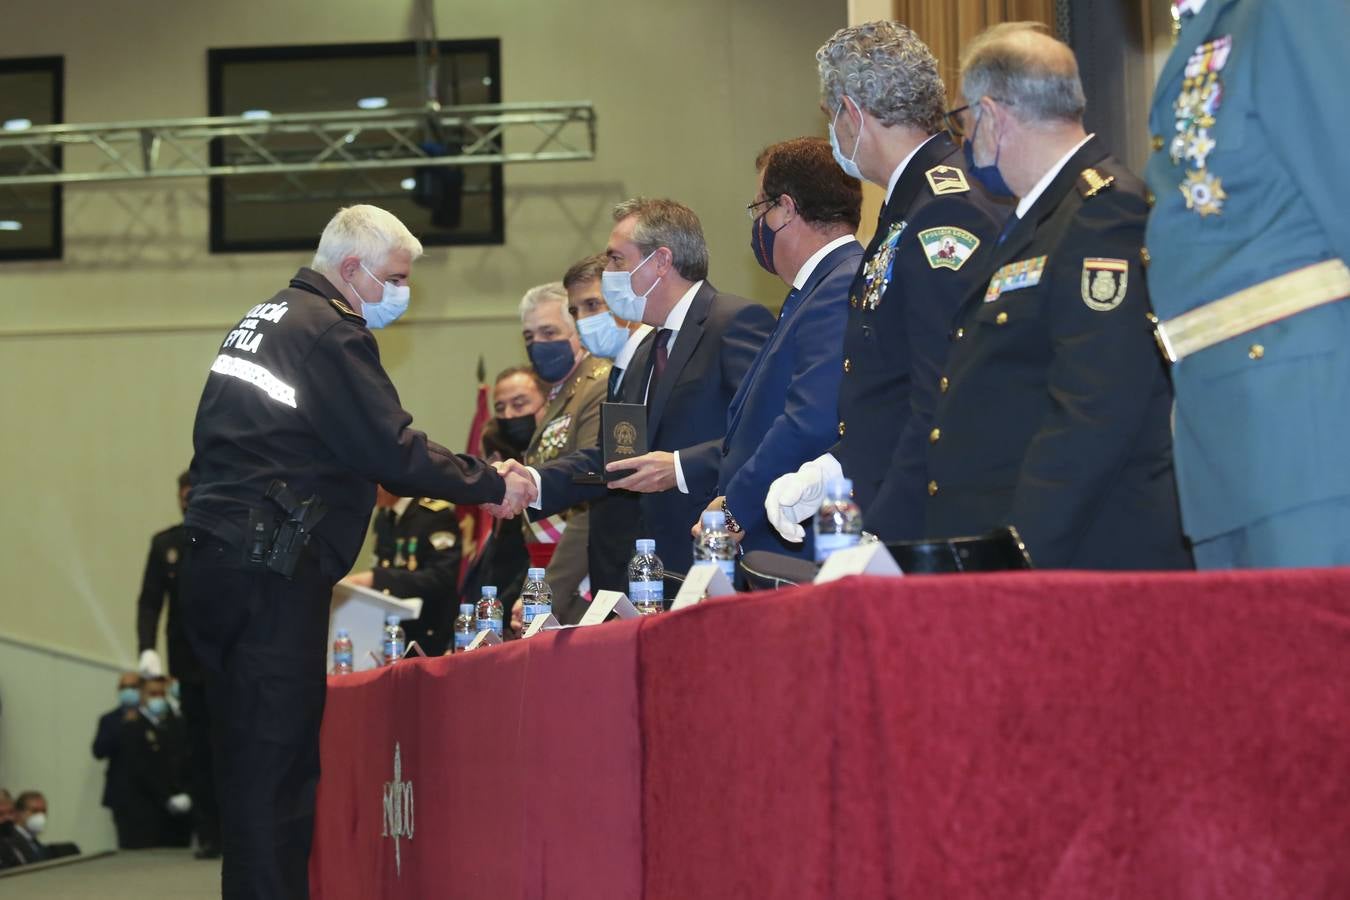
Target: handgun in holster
x,y
277,547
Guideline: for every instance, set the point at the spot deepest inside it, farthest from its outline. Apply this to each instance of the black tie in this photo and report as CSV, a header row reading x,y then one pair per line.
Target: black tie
x,y
1008,227
660,355
615,373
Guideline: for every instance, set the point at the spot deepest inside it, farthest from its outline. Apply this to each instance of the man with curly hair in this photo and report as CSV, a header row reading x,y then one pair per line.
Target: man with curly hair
x,y
881,90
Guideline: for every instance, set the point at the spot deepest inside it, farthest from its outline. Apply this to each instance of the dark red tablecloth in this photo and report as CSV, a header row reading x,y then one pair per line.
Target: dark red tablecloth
x,y
524,762
1038,735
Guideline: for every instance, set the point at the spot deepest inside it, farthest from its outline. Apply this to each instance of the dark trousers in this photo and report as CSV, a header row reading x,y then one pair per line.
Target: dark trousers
x,y
260,638
201,772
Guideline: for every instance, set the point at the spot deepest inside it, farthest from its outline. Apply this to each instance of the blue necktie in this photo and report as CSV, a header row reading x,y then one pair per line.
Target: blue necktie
x,y
1008,227
787,304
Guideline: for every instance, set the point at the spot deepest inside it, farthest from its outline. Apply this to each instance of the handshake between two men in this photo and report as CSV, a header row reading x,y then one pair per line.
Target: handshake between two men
x,y
520,490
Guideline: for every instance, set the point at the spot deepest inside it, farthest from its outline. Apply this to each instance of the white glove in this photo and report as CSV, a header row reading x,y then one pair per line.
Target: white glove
x,y
180,804
793,498
150,666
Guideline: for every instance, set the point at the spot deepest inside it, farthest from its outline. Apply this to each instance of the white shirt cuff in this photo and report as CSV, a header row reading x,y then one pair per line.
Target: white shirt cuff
x,y
679,475
538,488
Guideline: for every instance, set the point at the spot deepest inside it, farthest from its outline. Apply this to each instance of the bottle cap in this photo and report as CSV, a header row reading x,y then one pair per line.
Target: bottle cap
x,y
342,632
391,620
533,574
714,520
466,609
646,545
841,488
490,590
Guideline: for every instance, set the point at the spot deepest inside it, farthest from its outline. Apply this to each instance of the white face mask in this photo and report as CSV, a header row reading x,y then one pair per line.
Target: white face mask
x,y
392,303
617,289
601,335
36,823
848,163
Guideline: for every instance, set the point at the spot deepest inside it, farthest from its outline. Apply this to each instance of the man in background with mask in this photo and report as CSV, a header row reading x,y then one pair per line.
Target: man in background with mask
x,y
108,745
159,589
298,422
577,383
1055,416
885,99
22,846
803,218
155,807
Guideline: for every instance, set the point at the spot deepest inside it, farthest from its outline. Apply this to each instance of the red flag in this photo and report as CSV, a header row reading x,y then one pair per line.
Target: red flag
x,y
475,523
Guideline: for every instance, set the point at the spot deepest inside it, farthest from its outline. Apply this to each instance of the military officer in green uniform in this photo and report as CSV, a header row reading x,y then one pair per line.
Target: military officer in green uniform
x,y
1248,241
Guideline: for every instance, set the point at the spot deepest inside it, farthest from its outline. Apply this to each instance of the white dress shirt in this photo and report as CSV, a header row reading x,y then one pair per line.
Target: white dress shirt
x,y
900,170
1035,193
809,267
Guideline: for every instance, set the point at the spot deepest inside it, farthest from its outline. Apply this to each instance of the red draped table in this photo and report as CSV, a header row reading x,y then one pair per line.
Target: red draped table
x,y
1034,735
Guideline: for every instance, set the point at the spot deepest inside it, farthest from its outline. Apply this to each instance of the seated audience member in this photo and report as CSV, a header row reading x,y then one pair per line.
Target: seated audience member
x,y
154,749
8,858
22,846
108,745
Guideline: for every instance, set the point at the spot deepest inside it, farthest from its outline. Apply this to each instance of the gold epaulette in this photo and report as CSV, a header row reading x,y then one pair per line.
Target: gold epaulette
x,y
1091,182
343,308
434,505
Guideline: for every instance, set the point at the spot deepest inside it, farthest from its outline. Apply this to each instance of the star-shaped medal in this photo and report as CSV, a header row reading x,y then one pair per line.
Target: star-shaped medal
x,y
1204,193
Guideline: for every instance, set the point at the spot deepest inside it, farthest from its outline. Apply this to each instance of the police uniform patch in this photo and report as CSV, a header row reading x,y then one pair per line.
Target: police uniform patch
x,y
877,270
947,247
1091,182
947,180
433,505
441,540
1104,282
1015,276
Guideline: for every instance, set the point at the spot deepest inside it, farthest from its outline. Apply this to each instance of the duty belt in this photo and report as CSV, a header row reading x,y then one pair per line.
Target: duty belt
x,y
1251,308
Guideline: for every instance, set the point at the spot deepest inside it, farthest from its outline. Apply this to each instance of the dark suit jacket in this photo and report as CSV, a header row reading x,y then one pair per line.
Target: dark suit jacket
x,y
898,334
786,410
160,584
108,745
1056,416
686,411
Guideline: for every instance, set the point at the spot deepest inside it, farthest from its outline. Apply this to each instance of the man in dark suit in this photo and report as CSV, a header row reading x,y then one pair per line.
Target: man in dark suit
x,y
880,86
417,554
108,745
687,372
804,216
1055,414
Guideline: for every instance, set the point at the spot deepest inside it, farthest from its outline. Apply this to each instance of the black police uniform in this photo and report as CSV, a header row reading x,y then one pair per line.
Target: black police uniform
x,y
155,758
901,305
296,394
159,586
1055,402
417,554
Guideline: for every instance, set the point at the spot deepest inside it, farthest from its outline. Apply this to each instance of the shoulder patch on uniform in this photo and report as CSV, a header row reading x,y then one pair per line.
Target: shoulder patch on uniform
x,y
947,247
441,540
433,505
343,308
1104,282
947,180
1091,182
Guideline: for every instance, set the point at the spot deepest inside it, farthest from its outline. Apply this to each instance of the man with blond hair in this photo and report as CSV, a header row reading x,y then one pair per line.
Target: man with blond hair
x,y
297,424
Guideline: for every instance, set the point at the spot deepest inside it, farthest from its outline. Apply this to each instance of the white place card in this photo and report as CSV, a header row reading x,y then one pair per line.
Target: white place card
x,y
485,638
607,602
864,559
542,623
705,579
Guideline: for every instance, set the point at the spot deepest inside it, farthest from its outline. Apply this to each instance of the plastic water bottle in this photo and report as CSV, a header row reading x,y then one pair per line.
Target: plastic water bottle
x,y
536,598
394,641
464,630
489,611
342,653
715,544
646,579
838,524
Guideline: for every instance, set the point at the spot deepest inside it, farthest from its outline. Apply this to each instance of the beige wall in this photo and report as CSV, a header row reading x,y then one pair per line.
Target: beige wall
x,y
102,356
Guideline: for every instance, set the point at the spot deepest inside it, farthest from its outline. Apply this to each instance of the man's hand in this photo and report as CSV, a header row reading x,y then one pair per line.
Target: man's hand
x,y
715,506
179,804
361,579
518,616
655,472
149,665
520,490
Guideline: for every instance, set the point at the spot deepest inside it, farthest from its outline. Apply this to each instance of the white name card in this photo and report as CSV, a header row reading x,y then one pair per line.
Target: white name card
x,y
864,559
705,579
607,602
485,638
542,623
